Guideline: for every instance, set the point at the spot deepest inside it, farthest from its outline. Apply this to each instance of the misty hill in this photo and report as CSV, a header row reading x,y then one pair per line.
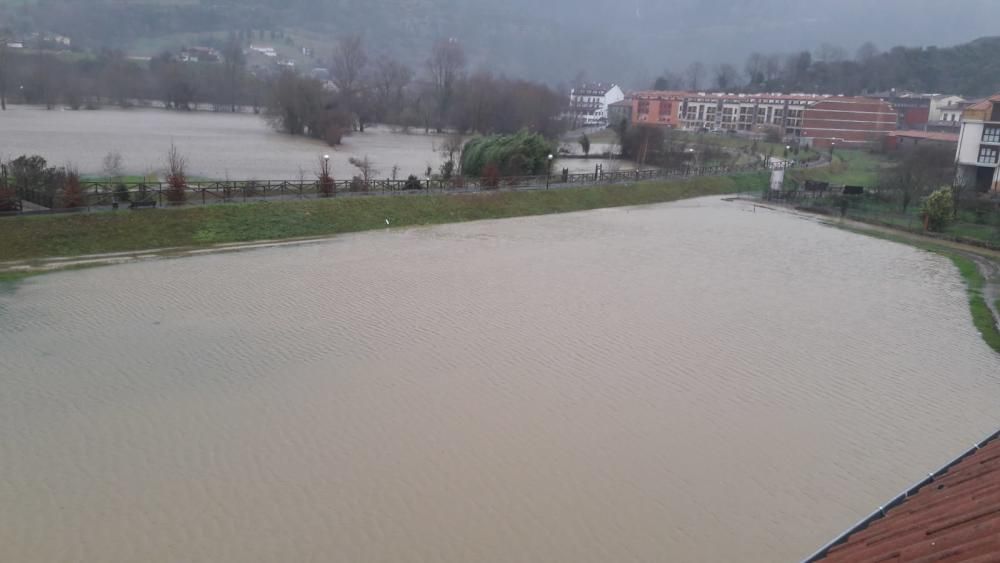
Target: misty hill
x,y
628,41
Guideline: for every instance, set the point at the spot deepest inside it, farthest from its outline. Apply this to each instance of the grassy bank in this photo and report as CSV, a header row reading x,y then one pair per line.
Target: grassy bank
x,y
121,231
849,167
982,316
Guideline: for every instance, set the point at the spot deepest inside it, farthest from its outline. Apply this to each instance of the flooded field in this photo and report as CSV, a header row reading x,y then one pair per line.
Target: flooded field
x,y
681,382
217,145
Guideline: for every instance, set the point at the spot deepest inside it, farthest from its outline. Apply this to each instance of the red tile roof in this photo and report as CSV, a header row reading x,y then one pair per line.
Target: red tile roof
x,y
954,516
927,135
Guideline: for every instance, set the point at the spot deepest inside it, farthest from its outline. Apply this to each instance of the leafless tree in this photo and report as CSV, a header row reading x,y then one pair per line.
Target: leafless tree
x,y
4,38
695,73
390,81
756,68
234,67
349,62
365,166
446,65
726,77
829,53
866,52
112,166
176,175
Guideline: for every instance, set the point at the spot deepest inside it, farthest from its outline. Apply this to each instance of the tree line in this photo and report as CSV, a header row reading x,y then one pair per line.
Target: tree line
x,y
441,95
972,69
361,90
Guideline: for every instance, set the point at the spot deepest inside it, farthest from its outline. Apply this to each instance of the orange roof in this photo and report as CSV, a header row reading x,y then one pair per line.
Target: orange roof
x,y
953,516
985,104
927,135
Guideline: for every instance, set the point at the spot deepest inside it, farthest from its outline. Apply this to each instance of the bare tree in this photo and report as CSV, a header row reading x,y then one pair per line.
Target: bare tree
x,y
390,81
829,53
112,166
446,66
349,62
4,38
695,73
756,69
866,52
726,76
234,66
176,175
365,166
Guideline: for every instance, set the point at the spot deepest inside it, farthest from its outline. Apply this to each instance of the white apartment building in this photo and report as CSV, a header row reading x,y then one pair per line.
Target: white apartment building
x,y
978,156
743,112
588,104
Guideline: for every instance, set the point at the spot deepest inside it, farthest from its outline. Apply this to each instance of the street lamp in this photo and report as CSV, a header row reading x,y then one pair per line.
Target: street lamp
x,y
548,172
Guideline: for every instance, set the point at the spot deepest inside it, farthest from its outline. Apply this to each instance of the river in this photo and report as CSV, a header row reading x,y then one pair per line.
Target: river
x,y
218,146
695,381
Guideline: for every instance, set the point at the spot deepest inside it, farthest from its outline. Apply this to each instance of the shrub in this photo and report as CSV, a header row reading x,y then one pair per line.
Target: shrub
x,y
176,176
358,184
72,195
491,176
938,209
522,154
122,194
412,183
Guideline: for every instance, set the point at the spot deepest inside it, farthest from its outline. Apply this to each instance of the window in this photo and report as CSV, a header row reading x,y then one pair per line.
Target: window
x,y
988,155
991,135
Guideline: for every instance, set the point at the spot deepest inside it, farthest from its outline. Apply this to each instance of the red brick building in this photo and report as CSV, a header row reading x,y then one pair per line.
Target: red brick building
x,y
848,122
821,120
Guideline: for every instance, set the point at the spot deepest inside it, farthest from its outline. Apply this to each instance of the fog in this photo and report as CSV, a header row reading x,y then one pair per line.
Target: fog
x,y
627,42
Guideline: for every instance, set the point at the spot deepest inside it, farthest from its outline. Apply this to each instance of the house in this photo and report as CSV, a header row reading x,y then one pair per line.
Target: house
x,y
588,104
266,51
978,155
200,55
906,140
620,111
945,113
15,45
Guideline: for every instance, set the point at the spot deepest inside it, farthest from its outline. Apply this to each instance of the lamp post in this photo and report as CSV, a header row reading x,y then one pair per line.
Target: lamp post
x,y
548,172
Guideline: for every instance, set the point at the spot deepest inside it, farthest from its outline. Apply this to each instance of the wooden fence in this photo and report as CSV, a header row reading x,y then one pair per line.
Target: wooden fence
x,y
112,195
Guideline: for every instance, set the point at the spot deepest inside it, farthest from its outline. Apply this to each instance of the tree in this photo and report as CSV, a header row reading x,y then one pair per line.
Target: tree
x,y
365,166
756,69
5,36
726,77
866,53
920,170
585,144
176,176
515,155
828,53
72,195
349,62
389,85
234,69
446,65
695,73
938,210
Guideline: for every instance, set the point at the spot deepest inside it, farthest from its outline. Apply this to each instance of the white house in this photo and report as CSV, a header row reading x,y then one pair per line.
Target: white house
x,y
588,104
946,111
978,156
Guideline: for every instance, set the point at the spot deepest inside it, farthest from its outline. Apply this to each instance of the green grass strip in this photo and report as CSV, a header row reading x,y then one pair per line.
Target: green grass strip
x,y
35,237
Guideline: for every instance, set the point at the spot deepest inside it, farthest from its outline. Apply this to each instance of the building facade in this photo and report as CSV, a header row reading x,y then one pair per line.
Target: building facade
x,y
978,155
847,122
816,119
588,104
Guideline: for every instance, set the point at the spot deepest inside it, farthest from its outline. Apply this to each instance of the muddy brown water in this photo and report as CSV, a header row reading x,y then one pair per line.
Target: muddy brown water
x,y
684,382
219,146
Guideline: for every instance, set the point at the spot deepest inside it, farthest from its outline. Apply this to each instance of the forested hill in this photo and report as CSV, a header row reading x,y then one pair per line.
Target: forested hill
x,y
629,41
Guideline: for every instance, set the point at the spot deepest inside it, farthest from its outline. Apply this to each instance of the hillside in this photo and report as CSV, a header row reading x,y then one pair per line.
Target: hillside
x,y
628,41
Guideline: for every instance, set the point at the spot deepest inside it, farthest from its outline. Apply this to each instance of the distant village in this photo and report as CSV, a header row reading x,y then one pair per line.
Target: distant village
x,y
891,121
